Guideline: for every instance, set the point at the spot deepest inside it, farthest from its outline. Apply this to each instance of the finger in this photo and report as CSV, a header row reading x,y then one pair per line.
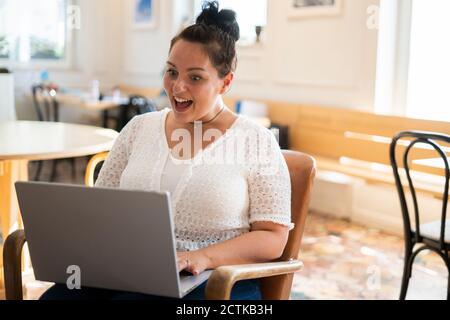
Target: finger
x,y
181,261
194,269
182,264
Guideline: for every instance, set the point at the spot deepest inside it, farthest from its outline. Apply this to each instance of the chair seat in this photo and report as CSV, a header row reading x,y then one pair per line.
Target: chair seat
x,y
432,230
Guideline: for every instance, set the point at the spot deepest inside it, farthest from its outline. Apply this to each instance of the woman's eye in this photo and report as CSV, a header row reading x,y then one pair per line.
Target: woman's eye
x,y
196,78
171,73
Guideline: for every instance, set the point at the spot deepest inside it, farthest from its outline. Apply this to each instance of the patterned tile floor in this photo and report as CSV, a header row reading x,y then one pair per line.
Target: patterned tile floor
x,y
342,260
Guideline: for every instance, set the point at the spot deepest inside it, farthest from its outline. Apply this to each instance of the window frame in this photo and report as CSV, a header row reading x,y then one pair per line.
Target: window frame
x,y
391,83
393,60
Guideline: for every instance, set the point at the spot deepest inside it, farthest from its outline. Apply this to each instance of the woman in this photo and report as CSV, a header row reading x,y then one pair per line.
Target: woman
x,y
226,212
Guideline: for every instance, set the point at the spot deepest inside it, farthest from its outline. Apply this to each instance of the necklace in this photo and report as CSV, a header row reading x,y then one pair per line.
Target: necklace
x,y
211,120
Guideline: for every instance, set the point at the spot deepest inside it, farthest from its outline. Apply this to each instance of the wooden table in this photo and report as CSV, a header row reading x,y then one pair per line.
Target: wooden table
x,y
82,102
104,105
23,141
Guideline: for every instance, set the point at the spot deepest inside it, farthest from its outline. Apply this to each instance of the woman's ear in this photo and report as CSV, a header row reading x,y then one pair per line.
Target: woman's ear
x,y
227,81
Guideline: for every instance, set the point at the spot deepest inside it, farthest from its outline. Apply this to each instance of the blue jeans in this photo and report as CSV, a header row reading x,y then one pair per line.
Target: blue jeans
x,y
242,290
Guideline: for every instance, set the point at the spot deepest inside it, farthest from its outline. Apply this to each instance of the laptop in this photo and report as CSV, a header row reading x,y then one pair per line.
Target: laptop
x,y
117,239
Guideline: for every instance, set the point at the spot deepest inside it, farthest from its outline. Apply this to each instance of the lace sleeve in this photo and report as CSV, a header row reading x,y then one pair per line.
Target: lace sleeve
x,y
117,160
269,184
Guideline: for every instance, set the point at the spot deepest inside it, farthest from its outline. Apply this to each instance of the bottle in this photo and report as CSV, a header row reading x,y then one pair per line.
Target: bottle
x,y
95,90
116,94
44,77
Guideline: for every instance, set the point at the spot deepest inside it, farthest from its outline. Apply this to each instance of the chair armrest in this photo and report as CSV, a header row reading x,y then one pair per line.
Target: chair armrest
x,y
90,168
12,265
223,278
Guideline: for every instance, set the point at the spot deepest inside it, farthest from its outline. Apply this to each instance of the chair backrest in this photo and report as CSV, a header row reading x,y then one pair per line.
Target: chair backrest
x,y
91,168
141,104
430,139
44,104
302,169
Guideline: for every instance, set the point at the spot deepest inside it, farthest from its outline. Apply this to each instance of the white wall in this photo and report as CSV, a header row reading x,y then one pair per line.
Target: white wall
x,y
318,60
145,51
7,104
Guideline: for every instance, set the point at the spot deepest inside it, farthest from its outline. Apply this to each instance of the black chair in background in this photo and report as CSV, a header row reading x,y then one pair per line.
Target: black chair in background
x,y
137,105
45,103
281,132
434,236
47,109
109,114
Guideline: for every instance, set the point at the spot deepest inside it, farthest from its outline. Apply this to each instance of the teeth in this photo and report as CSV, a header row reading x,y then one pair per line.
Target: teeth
x,y
179,100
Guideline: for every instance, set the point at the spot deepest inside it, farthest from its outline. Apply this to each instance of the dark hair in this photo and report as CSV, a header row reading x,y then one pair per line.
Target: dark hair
x,y
218,31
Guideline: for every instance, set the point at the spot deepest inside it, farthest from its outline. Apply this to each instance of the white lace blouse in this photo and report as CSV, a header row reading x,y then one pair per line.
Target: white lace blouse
x,y
238,179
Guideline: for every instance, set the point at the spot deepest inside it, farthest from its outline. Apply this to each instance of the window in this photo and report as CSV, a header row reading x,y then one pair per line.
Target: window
x,y
4,47
250,13
33,30
413,69
429,64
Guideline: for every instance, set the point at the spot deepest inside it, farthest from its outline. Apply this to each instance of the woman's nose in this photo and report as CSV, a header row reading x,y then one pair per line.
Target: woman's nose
x,y
179,86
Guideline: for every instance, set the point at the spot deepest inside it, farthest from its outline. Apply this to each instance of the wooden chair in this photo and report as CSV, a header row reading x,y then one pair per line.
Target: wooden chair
x,y
89,177
276,276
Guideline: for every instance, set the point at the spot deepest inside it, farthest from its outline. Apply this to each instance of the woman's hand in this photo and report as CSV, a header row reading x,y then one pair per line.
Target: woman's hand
x,y
194,262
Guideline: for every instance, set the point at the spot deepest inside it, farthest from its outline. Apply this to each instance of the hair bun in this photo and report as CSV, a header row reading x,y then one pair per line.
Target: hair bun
x,y
224,19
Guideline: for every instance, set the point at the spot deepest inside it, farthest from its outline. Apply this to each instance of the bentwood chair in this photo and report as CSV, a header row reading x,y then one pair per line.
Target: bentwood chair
x,y
46,106
46,110
276,276
434,236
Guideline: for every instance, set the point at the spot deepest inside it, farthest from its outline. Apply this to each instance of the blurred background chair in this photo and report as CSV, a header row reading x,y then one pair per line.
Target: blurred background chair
x,y
45,103
276,276
137,105
434,236
47,109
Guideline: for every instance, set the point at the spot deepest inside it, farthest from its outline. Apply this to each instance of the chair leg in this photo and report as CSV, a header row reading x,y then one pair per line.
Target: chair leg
x,y
448,285
407,268
105,118
37,175
73,164
53,174
447,263
12,260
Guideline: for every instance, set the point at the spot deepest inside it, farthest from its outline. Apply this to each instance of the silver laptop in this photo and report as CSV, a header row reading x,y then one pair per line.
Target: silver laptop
x,y
119,239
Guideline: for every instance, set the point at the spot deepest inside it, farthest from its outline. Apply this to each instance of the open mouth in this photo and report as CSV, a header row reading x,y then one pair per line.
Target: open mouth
x,y
182,105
